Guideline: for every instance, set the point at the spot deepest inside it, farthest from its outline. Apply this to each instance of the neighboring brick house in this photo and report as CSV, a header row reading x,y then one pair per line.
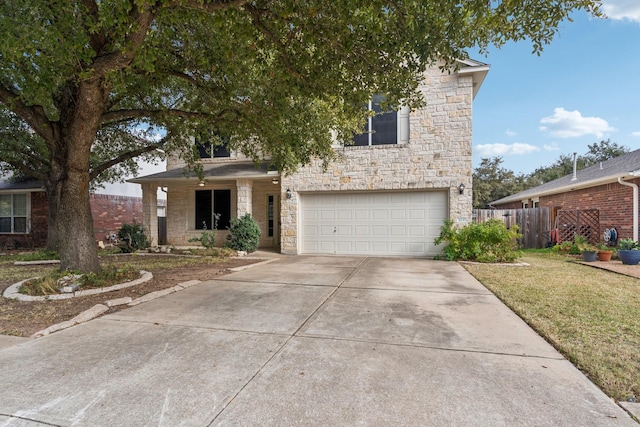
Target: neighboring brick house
x,y
24,214
609,190
388,195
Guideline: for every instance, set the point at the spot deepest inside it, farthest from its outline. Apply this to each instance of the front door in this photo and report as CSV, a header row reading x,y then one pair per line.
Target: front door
x,y
273,219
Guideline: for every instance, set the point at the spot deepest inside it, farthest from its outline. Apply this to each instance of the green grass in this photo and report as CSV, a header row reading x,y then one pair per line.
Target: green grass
x,y
591,316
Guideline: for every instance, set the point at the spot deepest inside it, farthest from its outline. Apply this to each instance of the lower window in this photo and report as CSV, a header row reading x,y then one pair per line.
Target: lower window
x,y
210,202
13,213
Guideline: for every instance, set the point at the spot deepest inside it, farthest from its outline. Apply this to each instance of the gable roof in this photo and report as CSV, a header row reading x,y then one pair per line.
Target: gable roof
x,y
626,166
478,71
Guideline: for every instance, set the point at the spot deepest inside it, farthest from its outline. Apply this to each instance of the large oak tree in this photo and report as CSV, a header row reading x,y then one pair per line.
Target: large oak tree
x,y
85,83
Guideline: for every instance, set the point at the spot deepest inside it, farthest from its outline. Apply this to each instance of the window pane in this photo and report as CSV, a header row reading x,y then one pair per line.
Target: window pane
x,y
385,123
385,128
5,205
221,151
203,209
222,206
20,225
5,225
363,138
20,205
204,149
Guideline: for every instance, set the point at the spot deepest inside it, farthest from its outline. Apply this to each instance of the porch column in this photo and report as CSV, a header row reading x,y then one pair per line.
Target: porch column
x,y
150,211
245,195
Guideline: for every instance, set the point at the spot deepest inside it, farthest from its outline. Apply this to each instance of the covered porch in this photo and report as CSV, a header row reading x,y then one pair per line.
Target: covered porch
x,y
228,190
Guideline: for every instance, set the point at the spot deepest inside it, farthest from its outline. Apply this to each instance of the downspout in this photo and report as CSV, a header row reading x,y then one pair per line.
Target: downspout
x,y
635,205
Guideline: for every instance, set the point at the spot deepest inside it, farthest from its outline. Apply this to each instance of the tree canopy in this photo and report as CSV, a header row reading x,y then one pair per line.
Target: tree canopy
x,y
87,85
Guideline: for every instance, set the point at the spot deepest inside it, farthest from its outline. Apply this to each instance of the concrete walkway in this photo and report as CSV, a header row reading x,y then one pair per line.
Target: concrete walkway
x,y
305,341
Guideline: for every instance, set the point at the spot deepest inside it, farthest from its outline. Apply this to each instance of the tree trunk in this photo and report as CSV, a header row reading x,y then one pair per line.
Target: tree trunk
x,y
76,241
52,227
81,109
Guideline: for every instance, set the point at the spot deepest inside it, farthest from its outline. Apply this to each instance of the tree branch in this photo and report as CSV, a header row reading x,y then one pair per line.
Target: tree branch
x,y
122,58
210,7
33,115
98,39
120,116
126,156
257,19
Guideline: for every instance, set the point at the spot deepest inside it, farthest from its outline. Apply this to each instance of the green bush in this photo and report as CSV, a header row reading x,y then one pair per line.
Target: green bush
x,y
489,241
132,237
244,234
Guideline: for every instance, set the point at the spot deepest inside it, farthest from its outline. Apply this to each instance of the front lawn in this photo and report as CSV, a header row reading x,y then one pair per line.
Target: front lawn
x,y
591,316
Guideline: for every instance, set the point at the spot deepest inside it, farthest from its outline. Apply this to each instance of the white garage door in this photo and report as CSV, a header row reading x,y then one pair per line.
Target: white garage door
x,y
399,223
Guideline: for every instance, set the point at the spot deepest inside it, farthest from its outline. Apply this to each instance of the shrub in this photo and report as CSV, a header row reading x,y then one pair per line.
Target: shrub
x,y
207,238
489,241
244,234
132,237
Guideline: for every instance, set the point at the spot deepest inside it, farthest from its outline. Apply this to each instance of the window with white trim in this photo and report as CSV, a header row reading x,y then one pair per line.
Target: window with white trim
x,y
14,213
213,146
387,127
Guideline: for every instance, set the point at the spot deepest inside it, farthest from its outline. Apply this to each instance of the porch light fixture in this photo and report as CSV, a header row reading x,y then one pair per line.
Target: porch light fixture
x,y
275,181
461,188
288,193
201,183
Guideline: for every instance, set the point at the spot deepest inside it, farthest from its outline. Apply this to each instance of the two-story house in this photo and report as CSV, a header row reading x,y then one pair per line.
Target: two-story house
x,y
389,194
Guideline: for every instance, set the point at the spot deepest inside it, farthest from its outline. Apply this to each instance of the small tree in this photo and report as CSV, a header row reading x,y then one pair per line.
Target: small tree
x,y
244,234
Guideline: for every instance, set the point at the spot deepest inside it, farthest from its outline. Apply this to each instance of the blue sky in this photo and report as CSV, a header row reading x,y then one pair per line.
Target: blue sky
x,y
584,87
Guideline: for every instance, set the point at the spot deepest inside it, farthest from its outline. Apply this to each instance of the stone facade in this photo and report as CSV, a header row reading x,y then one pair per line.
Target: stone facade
x,y
437,156
433,154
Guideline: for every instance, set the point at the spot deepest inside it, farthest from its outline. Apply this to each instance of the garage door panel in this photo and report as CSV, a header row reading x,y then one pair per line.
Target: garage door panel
x,y
398,231
398,214
399,223
379,214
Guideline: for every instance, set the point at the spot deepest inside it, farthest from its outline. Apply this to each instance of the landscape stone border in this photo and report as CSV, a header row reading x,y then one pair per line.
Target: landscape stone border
x,y
12,291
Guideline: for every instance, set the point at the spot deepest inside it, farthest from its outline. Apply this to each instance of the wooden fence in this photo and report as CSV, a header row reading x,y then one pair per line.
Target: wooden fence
x,y
534,223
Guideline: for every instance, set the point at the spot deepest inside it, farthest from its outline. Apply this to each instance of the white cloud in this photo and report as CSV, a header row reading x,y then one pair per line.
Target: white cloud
x,y
505,149
636,134
551,147
510,133
571,124
622,9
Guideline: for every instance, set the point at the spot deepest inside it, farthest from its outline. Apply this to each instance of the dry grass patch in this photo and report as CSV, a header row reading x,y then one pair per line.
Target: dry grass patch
x,y
591,316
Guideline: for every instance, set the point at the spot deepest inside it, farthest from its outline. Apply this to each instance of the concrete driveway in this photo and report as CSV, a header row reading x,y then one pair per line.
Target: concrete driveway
x,y
305,341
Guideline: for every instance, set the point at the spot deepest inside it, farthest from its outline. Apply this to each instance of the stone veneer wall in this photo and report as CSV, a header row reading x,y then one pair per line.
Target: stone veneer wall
x,y
181,205
437,157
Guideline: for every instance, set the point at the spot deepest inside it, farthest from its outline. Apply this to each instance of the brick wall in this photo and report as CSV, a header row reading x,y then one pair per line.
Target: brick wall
x,y
614,201
111,212
37,237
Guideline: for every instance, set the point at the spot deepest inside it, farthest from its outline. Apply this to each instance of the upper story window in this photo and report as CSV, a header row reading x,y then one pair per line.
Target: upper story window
x,y
388,127
13,213
208,149
381,128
